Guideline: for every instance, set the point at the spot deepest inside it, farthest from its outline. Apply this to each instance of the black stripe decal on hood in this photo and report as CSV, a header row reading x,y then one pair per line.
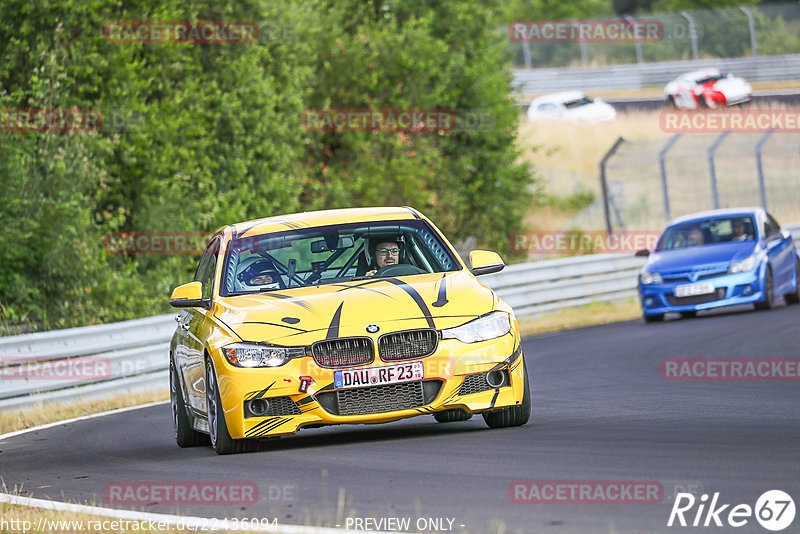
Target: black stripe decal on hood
x,y
417,298
442,293
272,324
333,328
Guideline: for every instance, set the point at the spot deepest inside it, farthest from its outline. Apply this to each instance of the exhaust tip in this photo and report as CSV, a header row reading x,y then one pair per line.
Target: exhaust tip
x,y
495,379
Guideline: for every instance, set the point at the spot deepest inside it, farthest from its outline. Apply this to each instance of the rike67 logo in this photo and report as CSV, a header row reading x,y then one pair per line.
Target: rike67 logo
x,y
774,510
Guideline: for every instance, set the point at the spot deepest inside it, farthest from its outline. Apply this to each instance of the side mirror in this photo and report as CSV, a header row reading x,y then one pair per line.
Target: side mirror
x,y
189,296
485,262
643,252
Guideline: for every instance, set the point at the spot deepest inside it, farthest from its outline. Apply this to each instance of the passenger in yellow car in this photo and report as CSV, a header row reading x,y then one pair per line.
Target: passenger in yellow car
x,y
262,273
386,253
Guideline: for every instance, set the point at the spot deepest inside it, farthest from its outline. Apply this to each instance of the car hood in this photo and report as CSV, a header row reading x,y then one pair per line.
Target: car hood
x,y
301,316
731,85
716,257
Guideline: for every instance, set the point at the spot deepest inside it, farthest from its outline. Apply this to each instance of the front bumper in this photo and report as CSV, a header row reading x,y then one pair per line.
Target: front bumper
x,y
445,372
730,289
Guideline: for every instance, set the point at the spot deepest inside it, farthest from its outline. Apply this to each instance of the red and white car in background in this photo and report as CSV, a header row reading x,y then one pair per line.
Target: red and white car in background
x,y
707,88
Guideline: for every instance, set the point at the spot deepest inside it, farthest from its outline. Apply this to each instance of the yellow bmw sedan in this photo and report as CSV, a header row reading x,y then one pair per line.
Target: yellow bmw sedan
x,y
351,316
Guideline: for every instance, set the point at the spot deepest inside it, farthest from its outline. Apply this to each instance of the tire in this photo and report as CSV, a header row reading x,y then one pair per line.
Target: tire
x,y
221,440
450,416
793,297
688,314
185,435
657,318
671,102
769,293
512,415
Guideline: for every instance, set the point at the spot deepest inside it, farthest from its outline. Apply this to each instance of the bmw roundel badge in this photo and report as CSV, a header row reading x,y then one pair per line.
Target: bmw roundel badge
x,y
373,328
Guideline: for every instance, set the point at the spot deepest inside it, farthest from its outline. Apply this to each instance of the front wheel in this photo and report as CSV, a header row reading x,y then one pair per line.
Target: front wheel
x,y
512,415
185,435
656,318
769,293
221,440
793,297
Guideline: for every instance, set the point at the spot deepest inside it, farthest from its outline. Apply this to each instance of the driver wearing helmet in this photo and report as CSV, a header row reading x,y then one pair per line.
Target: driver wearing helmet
x,y
262,274
386,253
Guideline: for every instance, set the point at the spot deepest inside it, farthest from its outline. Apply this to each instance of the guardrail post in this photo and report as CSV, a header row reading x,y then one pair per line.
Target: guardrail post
x,y
636,42
662,156
604,181
526,54
762,188
751,24
713,169
692,33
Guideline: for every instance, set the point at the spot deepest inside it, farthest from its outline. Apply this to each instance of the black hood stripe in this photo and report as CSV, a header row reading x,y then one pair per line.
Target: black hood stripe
x,y
417,298
442,300
272,324
333,328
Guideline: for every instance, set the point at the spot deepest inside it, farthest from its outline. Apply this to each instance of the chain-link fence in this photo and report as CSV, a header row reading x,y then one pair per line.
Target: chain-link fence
x,y
735,32
649,182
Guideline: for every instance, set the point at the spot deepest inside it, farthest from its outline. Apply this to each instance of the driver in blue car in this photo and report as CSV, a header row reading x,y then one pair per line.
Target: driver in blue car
x,y
386,253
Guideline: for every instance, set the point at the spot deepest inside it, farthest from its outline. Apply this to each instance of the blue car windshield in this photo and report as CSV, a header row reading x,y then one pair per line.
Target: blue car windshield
x,y
707,232
330,254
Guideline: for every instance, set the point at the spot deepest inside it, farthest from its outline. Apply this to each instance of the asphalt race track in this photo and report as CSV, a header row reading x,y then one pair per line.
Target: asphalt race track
x,y
601,412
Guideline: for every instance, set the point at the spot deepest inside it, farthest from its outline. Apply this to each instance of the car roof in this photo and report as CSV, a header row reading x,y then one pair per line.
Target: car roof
x,y
699,74
308,219
559,98
725,212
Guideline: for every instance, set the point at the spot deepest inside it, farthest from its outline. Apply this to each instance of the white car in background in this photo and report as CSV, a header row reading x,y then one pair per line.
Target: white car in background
x,y
570,106
709,88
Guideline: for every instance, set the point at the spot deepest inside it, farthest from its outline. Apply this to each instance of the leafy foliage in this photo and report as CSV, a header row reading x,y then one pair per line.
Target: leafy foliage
x,y
198,136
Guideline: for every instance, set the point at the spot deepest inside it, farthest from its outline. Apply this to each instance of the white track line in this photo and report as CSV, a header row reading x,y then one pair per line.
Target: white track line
x,y
177,521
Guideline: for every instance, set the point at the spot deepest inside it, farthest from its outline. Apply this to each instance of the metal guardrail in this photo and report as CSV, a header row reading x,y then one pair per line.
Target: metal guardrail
x,y
641,75
85,362
132,355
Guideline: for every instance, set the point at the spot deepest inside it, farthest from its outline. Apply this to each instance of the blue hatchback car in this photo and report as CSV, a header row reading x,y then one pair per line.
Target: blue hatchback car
x,y
719,258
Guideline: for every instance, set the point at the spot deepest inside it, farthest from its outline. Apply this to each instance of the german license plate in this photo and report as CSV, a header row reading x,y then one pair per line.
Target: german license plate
x,y
377,376
690,290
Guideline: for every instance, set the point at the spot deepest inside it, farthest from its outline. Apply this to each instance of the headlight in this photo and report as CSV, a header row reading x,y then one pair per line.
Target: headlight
x,y
646,277
747,264
253,355
491,326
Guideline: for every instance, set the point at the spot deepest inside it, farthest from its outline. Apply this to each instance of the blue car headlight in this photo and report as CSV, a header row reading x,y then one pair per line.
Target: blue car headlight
x,y
747,264
490,326
646,277
254,355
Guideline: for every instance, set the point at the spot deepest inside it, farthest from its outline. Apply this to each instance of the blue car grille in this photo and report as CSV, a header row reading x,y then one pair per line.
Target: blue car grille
x,y
686,276
697,299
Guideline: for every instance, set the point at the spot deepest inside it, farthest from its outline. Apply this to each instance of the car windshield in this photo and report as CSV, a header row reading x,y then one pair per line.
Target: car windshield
x,y
707,232
577,103
328,254
712,78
